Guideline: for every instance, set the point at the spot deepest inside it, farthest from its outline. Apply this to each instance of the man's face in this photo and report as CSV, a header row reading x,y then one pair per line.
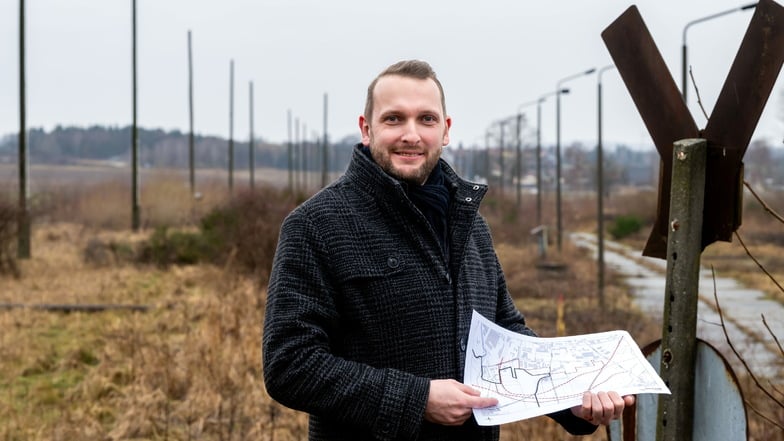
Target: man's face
x,y
408,127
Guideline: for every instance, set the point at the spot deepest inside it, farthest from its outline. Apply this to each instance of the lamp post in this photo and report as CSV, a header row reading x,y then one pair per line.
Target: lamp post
x,y
538,103
558,150
518,156
685,52
502,128
600,187
487,156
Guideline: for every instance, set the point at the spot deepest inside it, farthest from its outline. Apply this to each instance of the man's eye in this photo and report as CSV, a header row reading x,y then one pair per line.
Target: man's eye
x,y
392,118
429,118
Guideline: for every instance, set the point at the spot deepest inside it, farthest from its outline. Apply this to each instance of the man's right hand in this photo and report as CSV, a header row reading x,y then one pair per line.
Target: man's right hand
x,y
450,402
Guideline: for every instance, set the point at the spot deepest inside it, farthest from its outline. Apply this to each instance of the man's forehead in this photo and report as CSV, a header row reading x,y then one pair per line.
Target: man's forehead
x,y
390,87
396,79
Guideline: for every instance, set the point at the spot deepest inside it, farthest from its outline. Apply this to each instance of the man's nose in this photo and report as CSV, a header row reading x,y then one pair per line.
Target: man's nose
x,y
410,133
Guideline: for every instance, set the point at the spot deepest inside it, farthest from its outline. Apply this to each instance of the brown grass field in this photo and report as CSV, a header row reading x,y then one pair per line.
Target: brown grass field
x,y
190,367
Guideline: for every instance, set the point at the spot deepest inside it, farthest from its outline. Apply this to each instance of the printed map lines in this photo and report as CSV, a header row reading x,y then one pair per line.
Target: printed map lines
x,y
494,374
533,376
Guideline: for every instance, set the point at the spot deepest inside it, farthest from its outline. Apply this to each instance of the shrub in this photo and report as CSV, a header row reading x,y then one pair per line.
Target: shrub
x,y
242,233
245,231
165,248
625,226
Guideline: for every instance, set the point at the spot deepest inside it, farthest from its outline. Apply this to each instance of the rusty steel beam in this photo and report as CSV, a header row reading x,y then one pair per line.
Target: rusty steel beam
x,y
730,127
735,116
658,100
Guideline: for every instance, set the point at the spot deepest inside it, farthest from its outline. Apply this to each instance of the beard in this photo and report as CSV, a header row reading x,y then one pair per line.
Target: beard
x,y
416,176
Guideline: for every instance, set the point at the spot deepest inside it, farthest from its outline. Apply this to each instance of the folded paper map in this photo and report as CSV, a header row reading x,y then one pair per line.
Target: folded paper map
x,y
532,376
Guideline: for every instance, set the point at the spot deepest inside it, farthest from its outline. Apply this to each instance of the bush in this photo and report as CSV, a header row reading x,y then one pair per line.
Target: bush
x,y
183,248
242,234
625,226
245,232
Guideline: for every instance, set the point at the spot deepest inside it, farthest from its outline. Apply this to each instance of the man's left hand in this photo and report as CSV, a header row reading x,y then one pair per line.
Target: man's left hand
x,y
602,407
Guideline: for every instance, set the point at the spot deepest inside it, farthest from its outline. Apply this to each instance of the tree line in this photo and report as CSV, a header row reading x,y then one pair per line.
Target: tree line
x,y
160,148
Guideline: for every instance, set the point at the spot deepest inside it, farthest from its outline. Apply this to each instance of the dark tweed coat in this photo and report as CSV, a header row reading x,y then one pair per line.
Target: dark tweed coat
x,y
363,311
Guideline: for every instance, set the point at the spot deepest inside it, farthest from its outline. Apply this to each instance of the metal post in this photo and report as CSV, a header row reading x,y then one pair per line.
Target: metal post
x,y
191,152
559,219
684,80
600,197
290,148
518,158
135,211
325,150
679,329
303,148
231,126
23,217
487,156
251,146
600,188
501,125
297,160
684,51
539,161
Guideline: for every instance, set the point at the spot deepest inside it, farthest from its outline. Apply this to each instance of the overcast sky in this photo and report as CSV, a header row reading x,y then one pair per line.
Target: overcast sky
x,y
492,56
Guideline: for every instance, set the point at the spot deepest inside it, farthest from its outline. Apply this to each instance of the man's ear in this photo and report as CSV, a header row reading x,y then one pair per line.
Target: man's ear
x,y
364,128
447,125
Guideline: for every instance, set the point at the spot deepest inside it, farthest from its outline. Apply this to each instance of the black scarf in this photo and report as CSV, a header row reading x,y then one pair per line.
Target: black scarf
x,y
432,199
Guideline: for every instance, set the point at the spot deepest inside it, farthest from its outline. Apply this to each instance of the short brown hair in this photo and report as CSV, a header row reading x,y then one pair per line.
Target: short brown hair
x,y
420,70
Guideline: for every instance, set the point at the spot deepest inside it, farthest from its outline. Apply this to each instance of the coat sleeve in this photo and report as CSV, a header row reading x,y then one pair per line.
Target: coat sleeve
x,y
302,371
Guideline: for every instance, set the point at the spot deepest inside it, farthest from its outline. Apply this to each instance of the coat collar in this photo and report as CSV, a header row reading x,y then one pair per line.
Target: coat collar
x,y
370,177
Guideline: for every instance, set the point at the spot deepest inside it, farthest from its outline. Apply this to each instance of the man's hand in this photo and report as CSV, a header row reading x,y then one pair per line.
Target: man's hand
x,y
602,407
450,402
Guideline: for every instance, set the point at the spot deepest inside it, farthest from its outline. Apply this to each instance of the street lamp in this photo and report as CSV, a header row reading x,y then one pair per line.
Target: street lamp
x,y
600,186
487,156
502,126
558,149
538,103
700,20
518,156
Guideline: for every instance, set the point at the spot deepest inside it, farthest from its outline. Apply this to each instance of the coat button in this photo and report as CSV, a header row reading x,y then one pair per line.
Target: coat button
x,y
476,187
393,262
462,344
468,199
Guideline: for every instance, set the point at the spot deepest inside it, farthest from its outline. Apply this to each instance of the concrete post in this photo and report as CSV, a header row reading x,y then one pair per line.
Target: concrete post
x,y
679,329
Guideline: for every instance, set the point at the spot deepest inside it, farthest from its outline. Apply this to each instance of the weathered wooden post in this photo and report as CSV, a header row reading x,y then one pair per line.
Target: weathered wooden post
x,y
679,330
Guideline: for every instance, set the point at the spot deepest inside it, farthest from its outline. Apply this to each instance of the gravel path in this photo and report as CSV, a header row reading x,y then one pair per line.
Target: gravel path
x,y
741,307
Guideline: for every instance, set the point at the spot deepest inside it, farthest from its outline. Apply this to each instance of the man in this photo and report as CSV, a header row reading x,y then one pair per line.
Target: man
x,y
375,279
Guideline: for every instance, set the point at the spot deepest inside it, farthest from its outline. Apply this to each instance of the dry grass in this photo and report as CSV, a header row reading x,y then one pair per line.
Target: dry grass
x,y
190,367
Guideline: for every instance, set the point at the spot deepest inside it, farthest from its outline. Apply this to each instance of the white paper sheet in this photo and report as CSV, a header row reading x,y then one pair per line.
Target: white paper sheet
x,y
533,376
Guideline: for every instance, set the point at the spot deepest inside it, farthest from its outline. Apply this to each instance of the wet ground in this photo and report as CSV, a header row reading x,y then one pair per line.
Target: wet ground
x,y
741,307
